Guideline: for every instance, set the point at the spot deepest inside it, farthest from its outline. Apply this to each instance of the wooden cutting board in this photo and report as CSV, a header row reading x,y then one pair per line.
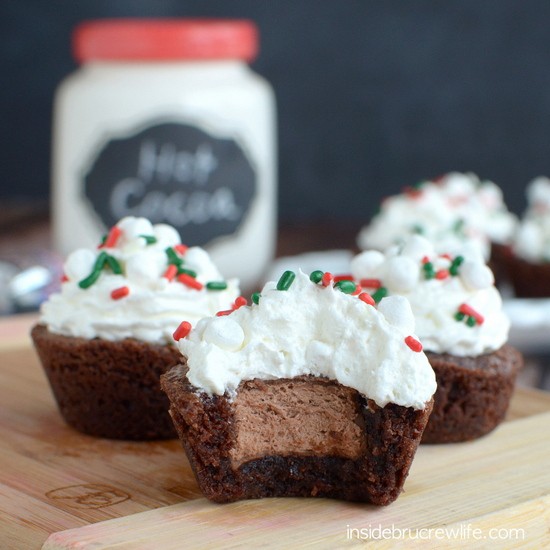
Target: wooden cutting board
x,y
81,492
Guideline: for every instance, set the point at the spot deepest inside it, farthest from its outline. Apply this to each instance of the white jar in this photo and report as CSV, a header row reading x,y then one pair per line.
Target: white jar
x,y
164,119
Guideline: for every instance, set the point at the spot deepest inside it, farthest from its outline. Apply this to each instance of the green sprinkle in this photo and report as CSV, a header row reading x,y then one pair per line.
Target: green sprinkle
x,y
347,287
90,279
114,265
256,297
379,294
455,264
458,227
149,239
316,276
459,316
173,258
216,285
286,280
471,322
429,271
103,239
189,272
96,271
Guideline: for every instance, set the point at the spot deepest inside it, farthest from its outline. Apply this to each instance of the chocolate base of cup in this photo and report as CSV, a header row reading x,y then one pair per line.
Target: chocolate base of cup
x,y
108,389
473,394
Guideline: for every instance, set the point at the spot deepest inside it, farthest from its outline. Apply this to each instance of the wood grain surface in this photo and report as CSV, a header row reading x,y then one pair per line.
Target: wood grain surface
x,y
55,482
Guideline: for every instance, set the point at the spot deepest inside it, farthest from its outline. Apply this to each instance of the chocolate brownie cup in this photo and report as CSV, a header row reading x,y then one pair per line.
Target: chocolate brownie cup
x,y
108,389
473,394
309,392
463,328
106,338
529,262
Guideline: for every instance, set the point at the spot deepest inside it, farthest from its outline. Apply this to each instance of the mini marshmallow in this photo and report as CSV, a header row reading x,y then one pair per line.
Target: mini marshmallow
x,y
475,275
145,267
366,264
79,264
402,274
397,311
166,235
416,247
224,333
134,227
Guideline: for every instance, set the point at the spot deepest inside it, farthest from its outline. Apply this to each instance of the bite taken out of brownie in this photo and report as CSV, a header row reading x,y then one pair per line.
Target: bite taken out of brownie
x,y
301,437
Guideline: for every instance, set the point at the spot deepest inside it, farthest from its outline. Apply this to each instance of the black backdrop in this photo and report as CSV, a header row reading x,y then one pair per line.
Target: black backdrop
x,y
372,95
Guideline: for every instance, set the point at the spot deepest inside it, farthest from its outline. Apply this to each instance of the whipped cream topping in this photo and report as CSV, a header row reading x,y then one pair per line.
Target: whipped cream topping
x,y
456,306
451,211
145,283
532,239
313,329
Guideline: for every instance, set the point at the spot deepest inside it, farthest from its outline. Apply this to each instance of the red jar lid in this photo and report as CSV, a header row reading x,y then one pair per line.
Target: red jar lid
x,y
165,39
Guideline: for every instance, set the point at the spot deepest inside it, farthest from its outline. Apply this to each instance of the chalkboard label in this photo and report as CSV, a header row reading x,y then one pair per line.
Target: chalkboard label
x,y
175,174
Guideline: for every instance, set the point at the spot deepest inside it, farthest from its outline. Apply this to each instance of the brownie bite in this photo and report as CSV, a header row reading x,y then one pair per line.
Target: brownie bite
x,y
528,263
106,337
473,394
310,392
462,325
108,389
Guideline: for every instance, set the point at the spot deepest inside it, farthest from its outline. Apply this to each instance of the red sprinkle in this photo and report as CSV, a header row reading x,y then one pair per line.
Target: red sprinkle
x,y
367,298
181,248
412,192
119,293
357,290
171,272
64,278
224,312
240,302
468,310
446,256
343,278
182,331
327,278
189,281
413,343
442,274
370,283
425,260
112,237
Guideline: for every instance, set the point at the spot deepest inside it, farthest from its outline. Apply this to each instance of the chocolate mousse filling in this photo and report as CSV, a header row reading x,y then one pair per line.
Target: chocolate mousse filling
x,y
296,417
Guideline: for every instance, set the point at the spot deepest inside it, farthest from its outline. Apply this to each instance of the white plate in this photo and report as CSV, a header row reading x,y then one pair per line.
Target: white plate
x,y
530,323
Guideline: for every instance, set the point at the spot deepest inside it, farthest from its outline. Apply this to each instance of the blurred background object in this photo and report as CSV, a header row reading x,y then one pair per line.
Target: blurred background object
x,y
165,120
372,96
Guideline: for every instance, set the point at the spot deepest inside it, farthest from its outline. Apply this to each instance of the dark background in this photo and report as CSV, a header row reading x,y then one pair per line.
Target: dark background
x,y
372,96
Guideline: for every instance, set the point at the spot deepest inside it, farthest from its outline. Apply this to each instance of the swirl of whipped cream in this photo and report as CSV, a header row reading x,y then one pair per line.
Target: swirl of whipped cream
x,y
312,329
455,209
456,306
145,300
532,239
